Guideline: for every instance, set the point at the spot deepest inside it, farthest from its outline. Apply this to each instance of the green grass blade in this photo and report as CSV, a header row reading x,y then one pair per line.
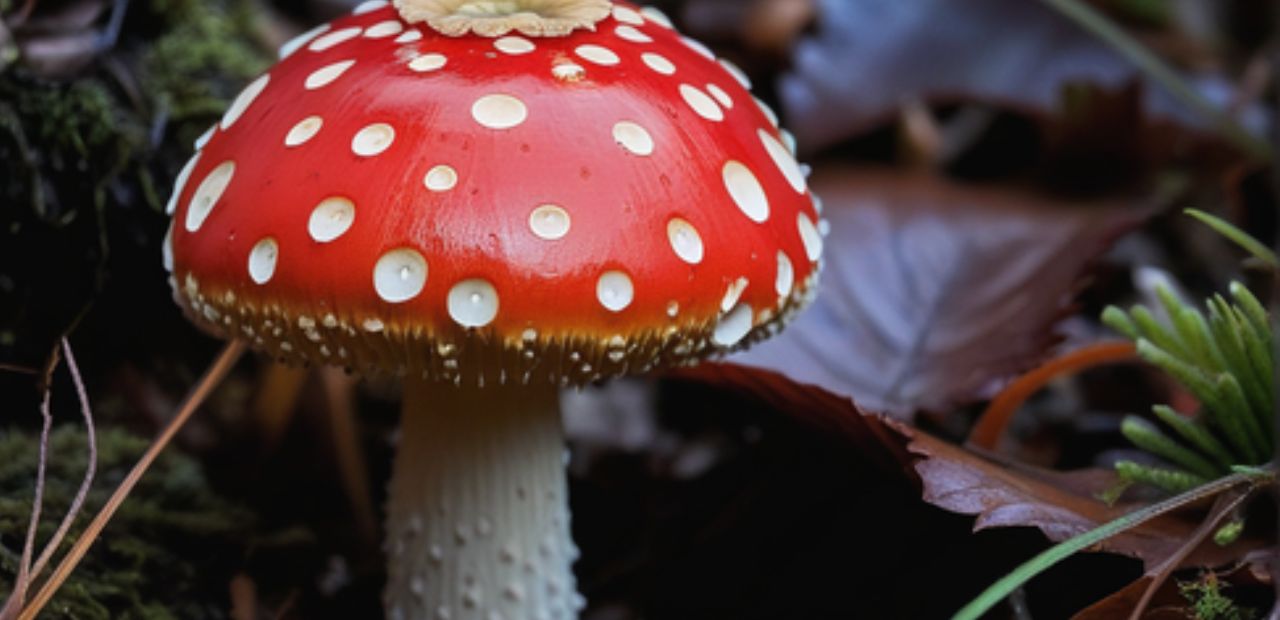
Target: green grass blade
x,y
1238,420
1171,303
1119,320
1157,333
1170,480
1145,435
1194,331
1230,339
1001,589
1257,350
1097,24
1239,237
1252,308
1196,434
1200,384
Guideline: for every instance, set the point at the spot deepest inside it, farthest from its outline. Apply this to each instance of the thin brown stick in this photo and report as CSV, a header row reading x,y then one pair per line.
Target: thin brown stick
x,y
1225,505
90,470
244,597
279,388
197,396
353,468
37,502
286,607
23,579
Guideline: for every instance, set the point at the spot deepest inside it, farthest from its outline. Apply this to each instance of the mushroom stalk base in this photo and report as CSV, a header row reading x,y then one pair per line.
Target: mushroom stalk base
x,y
478,518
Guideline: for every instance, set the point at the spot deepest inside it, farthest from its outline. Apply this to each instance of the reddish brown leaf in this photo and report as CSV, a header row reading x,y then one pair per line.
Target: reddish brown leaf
x,y
838,415
1060,505
934,291
1141,596
1168,603
999,494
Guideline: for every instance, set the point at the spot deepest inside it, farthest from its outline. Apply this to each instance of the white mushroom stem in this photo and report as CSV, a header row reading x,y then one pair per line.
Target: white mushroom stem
x,y
478,517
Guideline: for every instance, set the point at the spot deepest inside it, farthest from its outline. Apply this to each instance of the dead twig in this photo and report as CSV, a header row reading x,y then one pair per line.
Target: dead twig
x,y
244,597
27,572
22,370
90,470
23,580
1223,506
211,379
287,606
279,387
339,390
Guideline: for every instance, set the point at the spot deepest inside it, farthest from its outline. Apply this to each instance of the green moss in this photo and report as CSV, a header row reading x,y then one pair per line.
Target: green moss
x,y
193,57
1208,602
62,131
87,160
196,65
63,141
156,557
77,119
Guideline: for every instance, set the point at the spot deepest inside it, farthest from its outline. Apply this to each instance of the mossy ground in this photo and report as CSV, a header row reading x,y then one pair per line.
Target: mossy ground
x,y
1208,601
150,561
87,157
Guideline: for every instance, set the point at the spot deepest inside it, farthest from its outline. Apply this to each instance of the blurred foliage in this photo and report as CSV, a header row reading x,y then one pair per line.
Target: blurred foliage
x,y
1153,13
153,559
188,68
87,157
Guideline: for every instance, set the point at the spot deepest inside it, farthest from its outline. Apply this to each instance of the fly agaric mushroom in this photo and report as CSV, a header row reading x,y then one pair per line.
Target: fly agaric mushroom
x,y
492,216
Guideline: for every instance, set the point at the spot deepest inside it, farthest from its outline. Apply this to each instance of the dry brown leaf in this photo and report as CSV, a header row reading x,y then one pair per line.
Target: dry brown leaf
x,y
1168,603
935,291
999,494
837,415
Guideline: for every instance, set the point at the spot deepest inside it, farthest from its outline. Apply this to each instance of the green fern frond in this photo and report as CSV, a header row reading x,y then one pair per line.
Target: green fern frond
x,y
1224,359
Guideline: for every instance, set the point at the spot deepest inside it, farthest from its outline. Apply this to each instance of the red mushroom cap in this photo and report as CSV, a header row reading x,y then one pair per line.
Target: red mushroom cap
x,y
569,207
